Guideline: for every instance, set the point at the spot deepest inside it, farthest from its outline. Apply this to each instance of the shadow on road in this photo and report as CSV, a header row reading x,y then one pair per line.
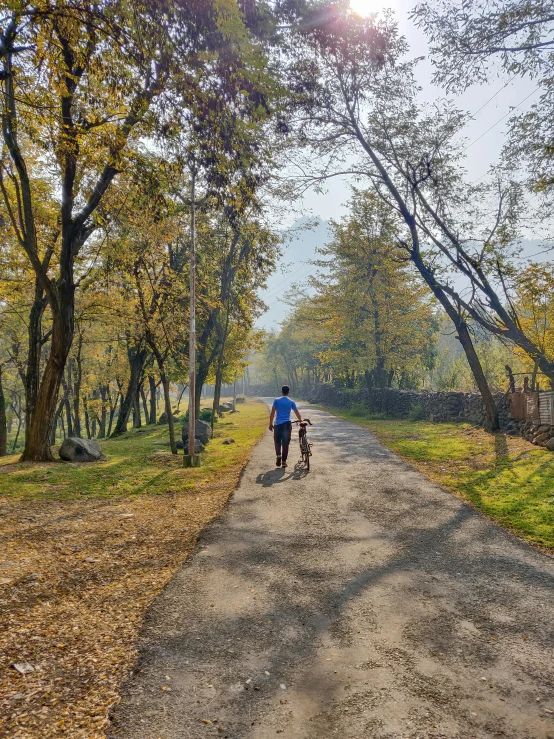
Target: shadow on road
x,y
367,545
272,477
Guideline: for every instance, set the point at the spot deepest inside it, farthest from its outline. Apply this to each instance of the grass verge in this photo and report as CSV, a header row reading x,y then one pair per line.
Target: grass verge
x,y
506,477
85,550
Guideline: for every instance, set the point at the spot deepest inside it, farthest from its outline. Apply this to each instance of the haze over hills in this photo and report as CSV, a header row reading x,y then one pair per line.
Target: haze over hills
x,y
295,266
299,250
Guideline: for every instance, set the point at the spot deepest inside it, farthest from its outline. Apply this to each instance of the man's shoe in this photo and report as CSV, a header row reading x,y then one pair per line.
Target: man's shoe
x,y
284,465
278,462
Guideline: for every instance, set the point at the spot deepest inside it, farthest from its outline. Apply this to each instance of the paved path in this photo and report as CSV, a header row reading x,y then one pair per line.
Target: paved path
x,y
359,601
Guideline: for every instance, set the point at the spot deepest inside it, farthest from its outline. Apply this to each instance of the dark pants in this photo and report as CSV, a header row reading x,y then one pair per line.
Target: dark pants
x,y
281,436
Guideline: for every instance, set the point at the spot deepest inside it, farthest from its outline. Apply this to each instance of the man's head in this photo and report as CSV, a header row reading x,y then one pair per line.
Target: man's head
x,y
285,389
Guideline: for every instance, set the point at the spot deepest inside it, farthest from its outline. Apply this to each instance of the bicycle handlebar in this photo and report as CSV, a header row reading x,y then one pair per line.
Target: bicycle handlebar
x,y
304,420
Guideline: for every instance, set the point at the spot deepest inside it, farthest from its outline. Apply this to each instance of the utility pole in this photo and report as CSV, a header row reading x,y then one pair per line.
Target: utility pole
x,y
192,459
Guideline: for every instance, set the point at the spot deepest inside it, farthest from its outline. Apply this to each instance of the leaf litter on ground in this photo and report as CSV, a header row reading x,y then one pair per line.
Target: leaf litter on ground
x,y
77,577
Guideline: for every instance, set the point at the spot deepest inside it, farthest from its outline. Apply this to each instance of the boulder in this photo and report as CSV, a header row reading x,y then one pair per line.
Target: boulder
x,y
542,437
202,431
229,441
550,445
198,446
163,419
80,450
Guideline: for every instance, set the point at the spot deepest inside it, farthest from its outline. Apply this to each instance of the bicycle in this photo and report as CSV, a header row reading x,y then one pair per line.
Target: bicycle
x,y
305,446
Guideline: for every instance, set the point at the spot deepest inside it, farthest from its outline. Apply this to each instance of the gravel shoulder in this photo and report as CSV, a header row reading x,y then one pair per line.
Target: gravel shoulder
x,y
360,600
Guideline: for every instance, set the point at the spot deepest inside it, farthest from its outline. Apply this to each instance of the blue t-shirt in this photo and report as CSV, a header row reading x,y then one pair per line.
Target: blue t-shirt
x,y
284,406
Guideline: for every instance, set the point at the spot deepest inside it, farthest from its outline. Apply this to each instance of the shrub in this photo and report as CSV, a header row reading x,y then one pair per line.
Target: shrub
x,y
205,415
416,412
358,410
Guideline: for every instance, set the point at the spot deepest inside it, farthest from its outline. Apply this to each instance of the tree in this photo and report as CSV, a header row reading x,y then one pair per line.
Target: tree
x,y
369,320
235,258
83,81
374,313
468,37
534,299
353,92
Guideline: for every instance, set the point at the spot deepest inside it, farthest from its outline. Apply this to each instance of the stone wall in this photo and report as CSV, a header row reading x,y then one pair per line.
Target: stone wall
x,y
434,406
537,433
445,406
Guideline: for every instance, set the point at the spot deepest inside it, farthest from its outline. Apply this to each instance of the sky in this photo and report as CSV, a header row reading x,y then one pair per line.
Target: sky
x,y
490,105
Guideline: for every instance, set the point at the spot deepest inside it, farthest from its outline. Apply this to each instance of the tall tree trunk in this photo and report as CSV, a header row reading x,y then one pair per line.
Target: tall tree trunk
x,y
77,387
65,403
3,424
87,419
37,443
113,409
217,392
201,377
137,356
103,415
491,411
222,339
19,413
181,393
144,403
169,412
56,421
137,421
370,395
153,409
32,374
160,360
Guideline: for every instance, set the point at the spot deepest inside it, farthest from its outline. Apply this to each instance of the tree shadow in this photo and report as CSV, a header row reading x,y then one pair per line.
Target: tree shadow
x,y
306,598
289,588
502,454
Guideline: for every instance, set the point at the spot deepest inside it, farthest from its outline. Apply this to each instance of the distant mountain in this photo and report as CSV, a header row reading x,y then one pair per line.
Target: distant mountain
x,y
301,242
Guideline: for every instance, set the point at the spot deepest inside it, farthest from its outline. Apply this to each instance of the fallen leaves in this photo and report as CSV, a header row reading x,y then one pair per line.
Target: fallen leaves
x,y
74,601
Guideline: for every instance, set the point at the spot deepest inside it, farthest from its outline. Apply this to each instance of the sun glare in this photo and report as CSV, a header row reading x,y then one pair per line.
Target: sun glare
x,y
366,7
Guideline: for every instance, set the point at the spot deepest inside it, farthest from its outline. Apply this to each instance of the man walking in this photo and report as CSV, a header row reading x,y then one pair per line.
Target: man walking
x,y
282,428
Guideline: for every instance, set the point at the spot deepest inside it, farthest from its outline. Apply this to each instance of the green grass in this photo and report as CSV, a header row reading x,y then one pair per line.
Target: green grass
x,y
137,463
507,478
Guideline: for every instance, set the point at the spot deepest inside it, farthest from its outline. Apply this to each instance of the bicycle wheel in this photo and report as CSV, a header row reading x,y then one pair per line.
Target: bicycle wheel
x,y
305,454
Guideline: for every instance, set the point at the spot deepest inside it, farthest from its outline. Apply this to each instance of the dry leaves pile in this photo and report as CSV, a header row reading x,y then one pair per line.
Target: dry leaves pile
x,y
75,581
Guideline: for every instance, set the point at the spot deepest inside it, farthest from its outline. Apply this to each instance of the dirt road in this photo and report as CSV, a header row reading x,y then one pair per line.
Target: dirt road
x,y
357,601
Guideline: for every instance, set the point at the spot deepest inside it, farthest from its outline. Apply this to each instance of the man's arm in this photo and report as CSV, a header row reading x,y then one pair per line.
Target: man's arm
x,y
297,414
271,417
